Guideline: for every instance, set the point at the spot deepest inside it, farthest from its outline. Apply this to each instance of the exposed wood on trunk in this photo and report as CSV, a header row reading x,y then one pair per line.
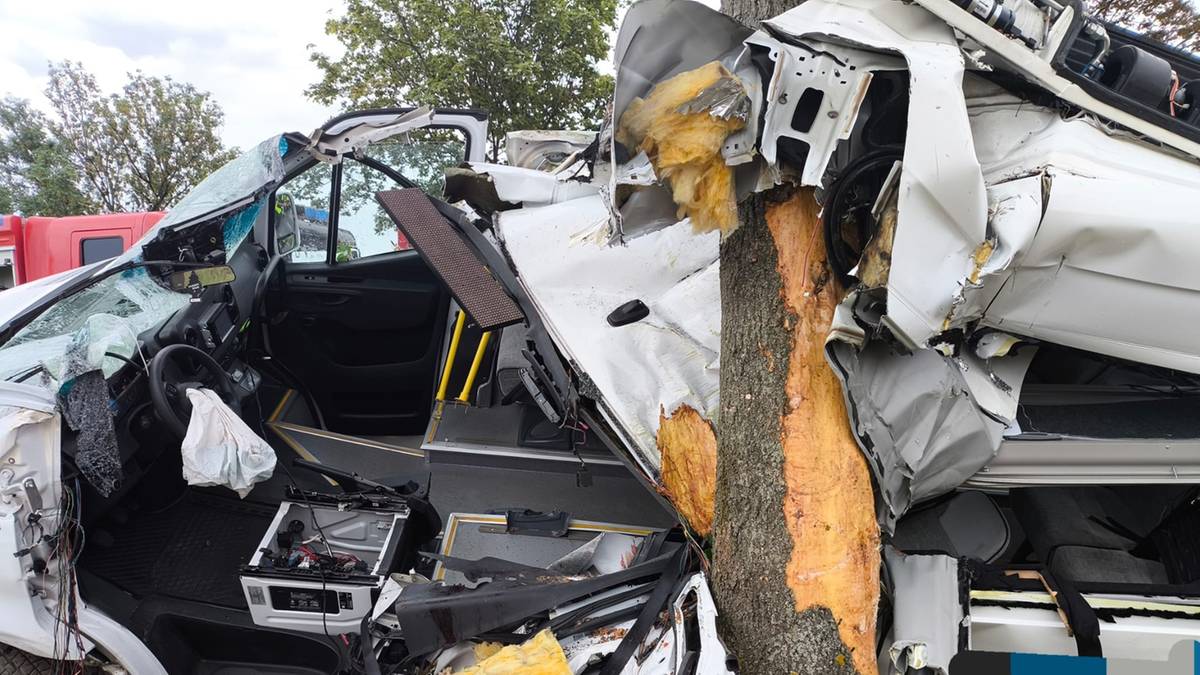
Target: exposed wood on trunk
x,y
829,503
688,446
796,558
796,549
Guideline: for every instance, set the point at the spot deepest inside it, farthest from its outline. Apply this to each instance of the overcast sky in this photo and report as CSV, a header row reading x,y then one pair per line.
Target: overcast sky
x,y
252,55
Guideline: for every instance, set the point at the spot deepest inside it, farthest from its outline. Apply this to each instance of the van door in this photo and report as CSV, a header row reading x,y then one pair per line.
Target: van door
x,y
358,317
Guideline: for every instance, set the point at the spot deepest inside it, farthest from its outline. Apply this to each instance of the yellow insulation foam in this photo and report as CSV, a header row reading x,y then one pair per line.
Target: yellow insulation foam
x,y
685,148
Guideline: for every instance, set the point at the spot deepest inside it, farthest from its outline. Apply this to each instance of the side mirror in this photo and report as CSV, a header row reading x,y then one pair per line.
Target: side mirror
x,y
197,279
286,243
287,238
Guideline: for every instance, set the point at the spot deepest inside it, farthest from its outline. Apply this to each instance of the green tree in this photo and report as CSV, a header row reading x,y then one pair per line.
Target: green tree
x,y
140,149
36,176
530,63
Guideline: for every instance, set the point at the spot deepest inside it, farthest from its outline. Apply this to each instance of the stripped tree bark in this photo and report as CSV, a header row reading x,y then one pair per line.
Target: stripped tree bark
x,y
795,542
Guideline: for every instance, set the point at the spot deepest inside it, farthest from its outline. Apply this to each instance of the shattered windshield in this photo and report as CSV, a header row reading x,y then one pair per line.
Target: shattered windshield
x,y
103,319
238,179
98,327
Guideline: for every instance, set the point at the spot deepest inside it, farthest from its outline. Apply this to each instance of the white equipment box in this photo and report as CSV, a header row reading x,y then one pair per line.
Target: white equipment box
x,y
282,588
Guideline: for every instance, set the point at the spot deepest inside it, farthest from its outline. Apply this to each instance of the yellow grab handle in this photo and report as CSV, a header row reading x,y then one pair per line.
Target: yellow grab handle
x,y
459,322
465,395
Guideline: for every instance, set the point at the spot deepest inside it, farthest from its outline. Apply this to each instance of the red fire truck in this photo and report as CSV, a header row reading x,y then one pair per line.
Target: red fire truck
x,y
37,246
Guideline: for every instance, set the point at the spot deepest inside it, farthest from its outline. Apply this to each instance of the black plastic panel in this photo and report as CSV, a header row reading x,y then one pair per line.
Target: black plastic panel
x,y
471,283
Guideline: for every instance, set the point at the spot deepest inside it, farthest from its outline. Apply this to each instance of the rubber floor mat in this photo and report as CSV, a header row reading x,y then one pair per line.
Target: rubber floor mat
x,y
191,550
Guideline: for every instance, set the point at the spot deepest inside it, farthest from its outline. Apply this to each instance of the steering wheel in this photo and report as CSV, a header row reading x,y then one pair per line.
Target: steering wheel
x,y
178,368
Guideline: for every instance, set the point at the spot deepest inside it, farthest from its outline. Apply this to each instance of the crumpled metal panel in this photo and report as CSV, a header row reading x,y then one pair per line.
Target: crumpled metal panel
x,y
917,419
1097,239
927,611
575,278
942,206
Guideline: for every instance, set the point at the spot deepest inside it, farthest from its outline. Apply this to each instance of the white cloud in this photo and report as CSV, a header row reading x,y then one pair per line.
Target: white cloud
x,y
252,55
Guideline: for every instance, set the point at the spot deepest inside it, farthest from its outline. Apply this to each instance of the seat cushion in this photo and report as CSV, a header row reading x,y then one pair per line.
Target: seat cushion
x,y
1092,516
1082,564
969,524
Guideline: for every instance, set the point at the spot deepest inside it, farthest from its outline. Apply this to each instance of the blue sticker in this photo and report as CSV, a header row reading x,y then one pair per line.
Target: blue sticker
x,y
238,225
283,146
1047,664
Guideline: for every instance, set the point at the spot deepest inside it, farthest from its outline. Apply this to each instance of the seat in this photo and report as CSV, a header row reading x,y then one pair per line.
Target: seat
x,y
1089,533
1082,564
968,524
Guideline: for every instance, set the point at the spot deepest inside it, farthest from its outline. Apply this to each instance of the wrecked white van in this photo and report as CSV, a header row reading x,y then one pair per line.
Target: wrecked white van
x,y
1005,193
321,420
276,437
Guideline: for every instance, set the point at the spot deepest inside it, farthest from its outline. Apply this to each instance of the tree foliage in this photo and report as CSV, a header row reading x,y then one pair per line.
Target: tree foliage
x,y
36,176
140,149
1174,22
530,63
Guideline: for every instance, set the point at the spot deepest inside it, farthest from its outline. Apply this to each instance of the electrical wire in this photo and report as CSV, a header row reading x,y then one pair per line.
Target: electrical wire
x,y
313,516
320,569
126,359
1174,91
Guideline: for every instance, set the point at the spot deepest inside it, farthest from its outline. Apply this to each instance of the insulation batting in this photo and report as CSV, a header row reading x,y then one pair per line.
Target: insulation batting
x,y
682,125
540,655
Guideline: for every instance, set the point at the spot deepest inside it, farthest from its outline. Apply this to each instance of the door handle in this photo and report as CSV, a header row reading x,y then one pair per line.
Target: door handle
x,y
332,300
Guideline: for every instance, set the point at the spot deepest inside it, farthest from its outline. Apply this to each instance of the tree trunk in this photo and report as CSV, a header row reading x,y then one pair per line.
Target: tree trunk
x,y
795,542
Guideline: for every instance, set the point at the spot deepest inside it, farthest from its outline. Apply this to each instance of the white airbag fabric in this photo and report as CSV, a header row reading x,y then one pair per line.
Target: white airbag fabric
x,y
220,449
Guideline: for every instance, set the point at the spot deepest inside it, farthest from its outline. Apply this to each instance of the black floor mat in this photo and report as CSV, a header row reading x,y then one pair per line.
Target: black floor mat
x,y
191,550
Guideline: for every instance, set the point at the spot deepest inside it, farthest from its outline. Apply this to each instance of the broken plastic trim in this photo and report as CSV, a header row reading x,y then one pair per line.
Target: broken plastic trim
x,y
432,616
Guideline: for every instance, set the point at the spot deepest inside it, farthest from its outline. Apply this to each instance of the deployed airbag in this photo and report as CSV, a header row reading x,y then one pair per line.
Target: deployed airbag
x,y
220,449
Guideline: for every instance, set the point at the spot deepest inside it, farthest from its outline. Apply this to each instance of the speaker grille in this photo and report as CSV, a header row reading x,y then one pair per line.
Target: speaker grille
x,y
443,247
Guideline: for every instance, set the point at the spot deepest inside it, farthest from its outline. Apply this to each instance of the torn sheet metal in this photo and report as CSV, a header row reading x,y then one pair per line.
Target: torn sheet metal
x,y
525,187
356,134
220,449
917,418
670,358
544,150
814,97
713,657
927,610
942,206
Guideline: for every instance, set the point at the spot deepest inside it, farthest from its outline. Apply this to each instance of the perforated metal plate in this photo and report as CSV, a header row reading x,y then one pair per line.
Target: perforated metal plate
x,y
444,248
